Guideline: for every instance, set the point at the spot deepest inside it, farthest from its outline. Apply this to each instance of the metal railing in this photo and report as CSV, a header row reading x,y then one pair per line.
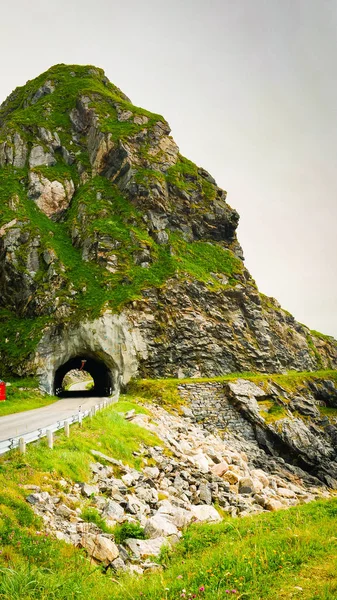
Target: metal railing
x,y
33,436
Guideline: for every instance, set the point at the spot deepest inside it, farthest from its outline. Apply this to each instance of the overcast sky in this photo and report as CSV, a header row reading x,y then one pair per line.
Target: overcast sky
x,y
249,88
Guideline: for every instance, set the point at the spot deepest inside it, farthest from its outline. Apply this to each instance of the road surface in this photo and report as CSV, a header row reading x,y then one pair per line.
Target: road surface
x,y
79,387
29,420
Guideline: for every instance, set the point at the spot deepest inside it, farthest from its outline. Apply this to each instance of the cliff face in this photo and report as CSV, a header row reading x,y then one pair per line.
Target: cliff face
x,y
114,245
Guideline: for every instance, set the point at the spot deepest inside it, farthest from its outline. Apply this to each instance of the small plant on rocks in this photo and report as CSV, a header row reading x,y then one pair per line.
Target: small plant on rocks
x,y
128,530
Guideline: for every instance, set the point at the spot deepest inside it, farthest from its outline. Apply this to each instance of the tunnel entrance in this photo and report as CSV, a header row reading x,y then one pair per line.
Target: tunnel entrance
x,y
92,370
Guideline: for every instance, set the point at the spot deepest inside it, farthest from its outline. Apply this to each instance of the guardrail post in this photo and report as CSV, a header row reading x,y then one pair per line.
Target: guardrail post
x,y
22,445
50,439
66,429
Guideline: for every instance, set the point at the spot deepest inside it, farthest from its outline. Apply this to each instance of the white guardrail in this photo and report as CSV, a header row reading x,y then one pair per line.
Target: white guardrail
x,y
20,441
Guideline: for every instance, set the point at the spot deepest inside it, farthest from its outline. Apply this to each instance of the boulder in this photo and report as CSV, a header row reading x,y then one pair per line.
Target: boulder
x,y
231,477
273,505
179,516
38,498
261,476
152,472
89,490
205,493
113,511
200,461
220,468
99,547
158,526
246,486
285,493
205,514
144,548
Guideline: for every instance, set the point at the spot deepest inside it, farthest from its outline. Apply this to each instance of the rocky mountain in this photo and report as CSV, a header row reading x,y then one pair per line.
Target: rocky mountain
x,y
116,247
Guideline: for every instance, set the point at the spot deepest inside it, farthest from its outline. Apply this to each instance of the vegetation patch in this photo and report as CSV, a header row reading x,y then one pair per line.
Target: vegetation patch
x,y
107,432
288,554
128,530
24,394
91,515
165,391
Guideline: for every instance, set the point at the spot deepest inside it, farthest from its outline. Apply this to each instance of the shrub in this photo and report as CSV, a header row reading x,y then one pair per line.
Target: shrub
x,y
128,530
91,515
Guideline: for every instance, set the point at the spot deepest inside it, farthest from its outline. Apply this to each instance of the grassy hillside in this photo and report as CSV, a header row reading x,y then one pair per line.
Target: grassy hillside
x,y
24,394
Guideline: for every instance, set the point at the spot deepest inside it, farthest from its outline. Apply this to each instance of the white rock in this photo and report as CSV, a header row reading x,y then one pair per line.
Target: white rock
x,y
152,472
143,548
243,387
273,505
176,514
286,493
137,507
39,157
60,535
100,547
113,511
205,513
257,485
89,490
261,475
128,479
158,525
147,494
200,461
135,570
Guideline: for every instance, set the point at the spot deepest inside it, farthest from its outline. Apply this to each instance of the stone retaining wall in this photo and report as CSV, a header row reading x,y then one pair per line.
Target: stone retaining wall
x,y
212,409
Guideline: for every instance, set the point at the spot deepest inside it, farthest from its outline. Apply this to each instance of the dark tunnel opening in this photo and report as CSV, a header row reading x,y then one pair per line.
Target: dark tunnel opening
x,y
103,383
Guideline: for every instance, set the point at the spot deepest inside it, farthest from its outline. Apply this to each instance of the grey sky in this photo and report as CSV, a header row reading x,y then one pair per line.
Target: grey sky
x,y
249,88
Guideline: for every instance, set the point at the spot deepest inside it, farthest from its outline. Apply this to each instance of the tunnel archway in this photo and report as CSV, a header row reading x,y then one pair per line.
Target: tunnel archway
x,y
100,373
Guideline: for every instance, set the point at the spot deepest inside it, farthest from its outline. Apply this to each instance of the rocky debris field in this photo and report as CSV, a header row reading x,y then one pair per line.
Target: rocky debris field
x,y
273,424
194,476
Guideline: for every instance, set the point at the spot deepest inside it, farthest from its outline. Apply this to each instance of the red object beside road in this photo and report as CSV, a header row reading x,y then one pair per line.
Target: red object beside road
x,y
2,391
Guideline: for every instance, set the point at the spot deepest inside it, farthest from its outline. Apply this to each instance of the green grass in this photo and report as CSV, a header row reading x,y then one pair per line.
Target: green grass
x,y
107,432
321,336
185,176
166,391
262,558
128,530
91,515
328,411
24,394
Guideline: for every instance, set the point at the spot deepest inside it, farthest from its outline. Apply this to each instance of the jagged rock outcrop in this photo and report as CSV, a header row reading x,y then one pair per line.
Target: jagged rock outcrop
x,y
100,214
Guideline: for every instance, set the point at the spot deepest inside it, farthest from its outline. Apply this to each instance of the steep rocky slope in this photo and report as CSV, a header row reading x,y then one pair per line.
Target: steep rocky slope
x,y
114,246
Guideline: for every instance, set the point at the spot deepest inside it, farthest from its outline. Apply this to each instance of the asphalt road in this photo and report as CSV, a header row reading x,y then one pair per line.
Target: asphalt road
x,y
24,422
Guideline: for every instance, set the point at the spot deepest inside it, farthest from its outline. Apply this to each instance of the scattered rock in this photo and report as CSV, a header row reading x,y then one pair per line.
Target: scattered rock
x,y
144,548
89,490
205,514
158,526
99,547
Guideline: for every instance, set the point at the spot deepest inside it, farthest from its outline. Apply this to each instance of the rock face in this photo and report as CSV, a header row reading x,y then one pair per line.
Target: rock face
x,y
100,216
